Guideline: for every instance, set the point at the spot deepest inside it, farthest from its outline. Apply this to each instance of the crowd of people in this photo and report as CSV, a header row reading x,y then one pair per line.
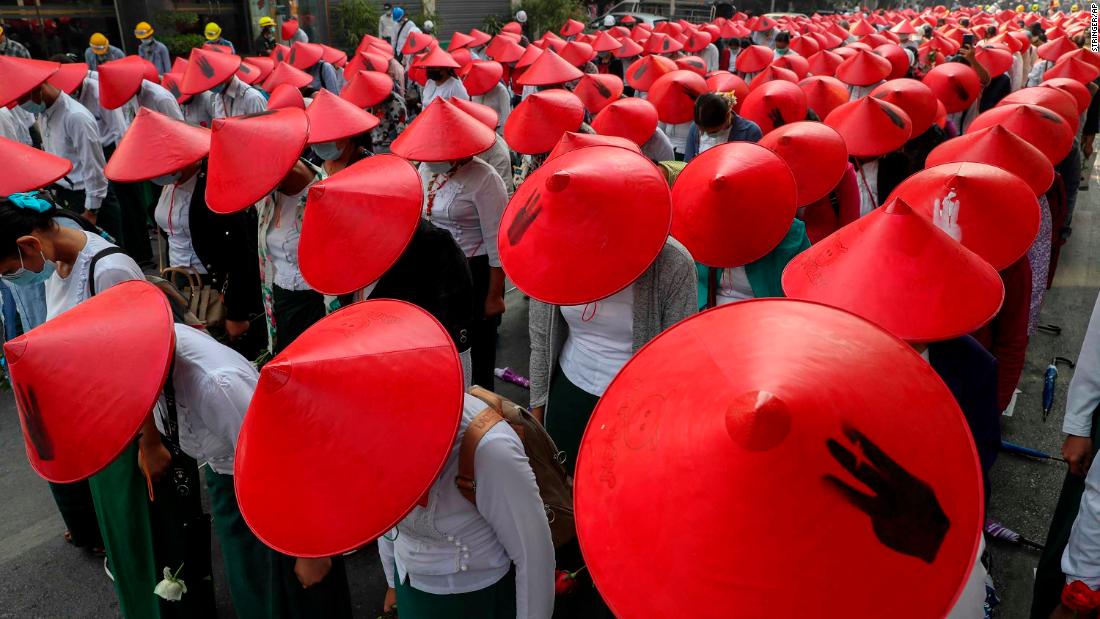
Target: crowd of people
x,y
782,274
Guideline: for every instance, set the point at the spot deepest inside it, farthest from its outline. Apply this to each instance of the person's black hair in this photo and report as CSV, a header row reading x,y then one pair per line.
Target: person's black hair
x,y
745,42
1036,29
927,30
711,110
16,222
990,31
783,37
965,22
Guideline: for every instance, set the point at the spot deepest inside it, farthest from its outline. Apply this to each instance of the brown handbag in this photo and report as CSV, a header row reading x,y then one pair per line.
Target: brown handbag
x,y
203,300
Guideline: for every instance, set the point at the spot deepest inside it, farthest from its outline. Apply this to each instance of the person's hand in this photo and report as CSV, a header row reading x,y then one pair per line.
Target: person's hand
x,y
494,306
945,214
311,571
971,54
91,216
1077,450
153,457
390,601
236,328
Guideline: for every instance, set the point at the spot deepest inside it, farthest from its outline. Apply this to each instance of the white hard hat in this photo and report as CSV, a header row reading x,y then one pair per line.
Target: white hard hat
x,y
429,25
609,21
521,17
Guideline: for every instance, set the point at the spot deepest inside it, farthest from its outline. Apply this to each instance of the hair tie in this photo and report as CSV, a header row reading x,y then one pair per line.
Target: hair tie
x,y
729,96
30,201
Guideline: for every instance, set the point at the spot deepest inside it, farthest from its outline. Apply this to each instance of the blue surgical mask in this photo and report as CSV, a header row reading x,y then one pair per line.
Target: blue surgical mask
x,y
329,151
34,107
167,179
26,277
147,42
220,88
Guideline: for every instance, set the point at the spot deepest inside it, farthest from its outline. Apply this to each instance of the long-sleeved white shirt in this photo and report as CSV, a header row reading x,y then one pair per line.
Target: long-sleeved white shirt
x,y
658,147
451,546
200,109
12,128
1081,558
710,56
451,88
1016,72
867,181
213,386
468,203
239,99
677,134
156,98
65,293
500,100
1037,70
1084,387
173,216
69,130
500,158
111,123
402,32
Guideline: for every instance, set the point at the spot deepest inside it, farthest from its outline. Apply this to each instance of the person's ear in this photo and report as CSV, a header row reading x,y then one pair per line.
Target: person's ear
x,y
29,245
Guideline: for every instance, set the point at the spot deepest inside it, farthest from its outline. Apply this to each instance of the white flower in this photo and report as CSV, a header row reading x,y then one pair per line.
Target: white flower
x,y
171,588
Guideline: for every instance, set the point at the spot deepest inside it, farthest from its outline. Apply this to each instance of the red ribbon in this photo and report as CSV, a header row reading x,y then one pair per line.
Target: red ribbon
x,y
1077,596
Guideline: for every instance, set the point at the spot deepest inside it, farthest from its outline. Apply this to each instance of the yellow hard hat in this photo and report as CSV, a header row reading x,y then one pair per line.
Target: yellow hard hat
x,y
1074,8
1020,8
98,43
143,30
1035,6
267,21
213,31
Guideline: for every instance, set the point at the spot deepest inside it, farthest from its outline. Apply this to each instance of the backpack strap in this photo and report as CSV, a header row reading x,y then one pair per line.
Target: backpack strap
x,y
478,428
103,253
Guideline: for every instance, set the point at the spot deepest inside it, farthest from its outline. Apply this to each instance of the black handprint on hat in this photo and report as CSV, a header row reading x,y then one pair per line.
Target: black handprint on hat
x,y
524,218
32,421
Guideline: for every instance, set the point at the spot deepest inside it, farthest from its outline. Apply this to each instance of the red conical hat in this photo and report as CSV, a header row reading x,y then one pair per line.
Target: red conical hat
x,y
530,55
481,76
1074,69
249,74
824,62
332,118
585,225
916,99
442,132
156,145
1054,49
674,95
179,65
777,96
995,60
304,55
458,41
69,77
954,83
479,38
289,29
462,56
342,388
805,46
630,117
27,168
1000,147
824,93
754,58
571,28
697,41
861,28
1072,87
416,42
436,57
1085,54
641,74
793,62
661,43
904,27
775,427
694,64
483,113
207,69
73,429
896,269
724,81
285,96
369,62
630,49
863,69
237,178
998,212
280,53
333,56
540,120
604,42
18,76
897,57
772,73
265,64
816,155
503,49
366,214
577,53
368,88
871,127
549,68
572,141
733,204
286,74
1057,101
171,82
597,90
1036,125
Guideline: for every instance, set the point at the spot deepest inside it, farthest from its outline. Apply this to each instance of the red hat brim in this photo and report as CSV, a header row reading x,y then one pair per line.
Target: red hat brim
x,y
775,97
816,155
1036,125
1057,101
1078,90
284,73
481,76
69,77
915,98
863,69
417,42
442,132
342,389
27,168
674,95
824,94
156,145
503,49
585,225
641,74
237,178
548,69
630,117
757,471
871,127
265,64
368,88
897,57
207,69
483,113
1074,69
540,120
332,118
753,58
998,146
249,73
954,83
724,81
73,429
824,63
597,90
18,76
572,141
304,55
285,96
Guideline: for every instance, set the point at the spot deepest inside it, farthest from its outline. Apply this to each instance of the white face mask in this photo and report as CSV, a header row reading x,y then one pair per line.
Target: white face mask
x,y
438,167
329,151
708,141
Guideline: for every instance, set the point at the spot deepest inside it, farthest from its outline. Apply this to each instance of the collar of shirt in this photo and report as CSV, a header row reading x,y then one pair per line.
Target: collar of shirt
x,y
236,88
59,104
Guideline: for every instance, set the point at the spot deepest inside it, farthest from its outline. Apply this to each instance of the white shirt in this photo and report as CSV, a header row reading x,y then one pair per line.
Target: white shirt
x,y
710,56
708,141
858,92
173,215
971,603
282,240
12,128
112,123
387,28
239,99
1016,73
63,294
500,158
867,181
1081,558
450,88
500,100
600,341
156,98
69,130
213,386
658,147
733,285
677,134
469,204
1084,388
451,546
299,36
1036,76
403,30
200,109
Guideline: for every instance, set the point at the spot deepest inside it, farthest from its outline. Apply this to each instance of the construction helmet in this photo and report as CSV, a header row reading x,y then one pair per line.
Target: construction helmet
x,y
213,31
1074,8
1035,6
1020,8
99,43
143,30
266,22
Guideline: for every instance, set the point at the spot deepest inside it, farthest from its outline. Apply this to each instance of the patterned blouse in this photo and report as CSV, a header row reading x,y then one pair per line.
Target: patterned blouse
x,y
393,117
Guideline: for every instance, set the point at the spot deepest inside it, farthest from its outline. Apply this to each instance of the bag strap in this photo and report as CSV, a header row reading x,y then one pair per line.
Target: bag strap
x,y
478,428
103,253
172,423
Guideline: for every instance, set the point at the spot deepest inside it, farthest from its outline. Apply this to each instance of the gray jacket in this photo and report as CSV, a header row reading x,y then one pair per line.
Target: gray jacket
x,y
663,295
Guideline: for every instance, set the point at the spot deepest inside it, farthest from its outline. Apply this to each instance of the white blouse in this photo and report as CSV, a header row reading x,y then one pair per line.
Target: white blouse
x,y
173,215
468,203
64,293
500,100
451,88
282,240
733,285
600,341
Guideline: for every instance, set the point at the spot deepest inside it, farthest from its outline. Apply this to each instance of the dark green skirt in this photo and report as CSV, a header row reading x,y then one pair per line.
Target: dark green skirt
x,y
497,601
295,311
568,409
247,559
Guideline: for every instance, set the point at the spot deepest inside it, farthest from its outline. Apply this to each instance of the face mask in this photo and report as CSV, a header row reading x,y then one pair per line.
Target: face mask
x,y
34,107
26,277
167,179
147,42
220,88
329,151
438,167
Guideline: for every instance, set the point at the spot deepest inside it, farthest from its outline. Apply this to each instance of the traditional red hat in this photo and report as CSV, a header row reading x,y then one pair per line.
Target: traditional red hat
x,y
69,77
549,68
897,57
368,88
824,63
641,74
462,56
249,74
289,28
871,127
217,47
479,38
333,56
816,155
416,42
697,41
504,49
772,73
1036,125
332,118
280,53
572,141
896,269
1073,68
366,213
998,146
458,41
1085,54
630,117
754,58
512,26
442,132
28,168
805,46
73,429
481,76
156,145
18,76
1072,87
904,27
436,57
304,55
530,54
571,28
540,120
264,64
779,465
171,82
724,81
913,97
179,65
285,96
694,64
284,73
863,69
775,97
237,179
629,49
1057,101
1054,49
483,113
733,204
861,28
824,93
998,211
370,62
954,83
850,50
207,69
604,42
577,53
661,43
597,90
792,62
763,23
995,60
674,95
309,405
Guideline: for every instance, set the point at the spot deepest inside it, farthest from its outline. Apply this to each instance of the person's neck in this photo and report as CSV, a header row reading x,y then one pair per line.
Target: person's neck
x,y
67,244
188,172
50,95
297,180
